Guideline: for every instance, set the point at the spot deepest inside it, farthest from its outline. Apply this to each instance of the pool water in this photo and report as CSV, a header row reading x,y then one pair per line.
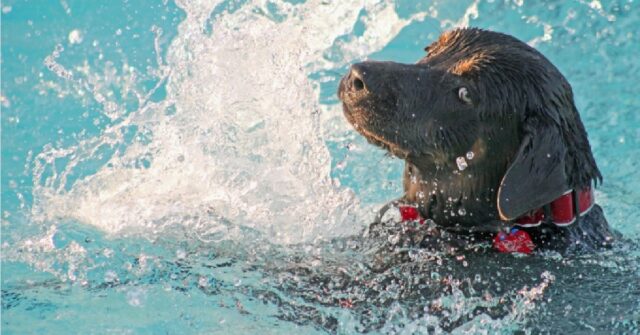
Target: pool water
x,y
184,167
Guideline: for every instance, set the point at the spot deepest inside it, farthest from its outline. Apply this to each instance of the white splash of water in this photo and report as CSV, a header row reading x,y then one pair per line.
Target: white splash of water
x,y
244,144
470,13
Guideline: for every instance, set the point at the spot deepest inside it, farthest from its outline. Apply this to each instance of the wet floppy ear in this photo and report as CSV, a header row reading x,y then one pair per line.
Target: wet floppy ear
x,y
536,175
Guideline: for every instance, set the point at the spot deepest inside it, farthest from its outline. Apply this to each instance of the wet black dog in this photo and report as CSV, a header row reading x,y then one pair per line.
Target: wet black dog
x,y
491,138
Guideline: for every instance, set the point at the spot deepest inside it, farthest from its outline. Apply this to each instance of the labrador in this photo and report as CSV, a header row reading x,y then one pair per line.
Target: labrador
x,y
493,143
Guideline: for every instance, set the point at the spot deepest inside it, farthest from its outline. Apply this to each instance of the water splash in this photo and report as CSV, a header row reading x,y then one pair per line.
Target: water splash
x,y
243,138
205,158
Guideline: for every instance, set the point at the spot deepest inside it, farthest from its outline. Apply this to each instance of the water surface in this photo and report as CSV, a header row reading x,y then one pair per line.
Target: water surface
x,y
184,167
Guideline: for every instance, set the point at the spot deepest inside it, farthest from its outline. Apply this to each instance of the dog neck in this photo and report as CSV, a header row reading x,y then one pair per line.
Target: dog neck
x,y
453,196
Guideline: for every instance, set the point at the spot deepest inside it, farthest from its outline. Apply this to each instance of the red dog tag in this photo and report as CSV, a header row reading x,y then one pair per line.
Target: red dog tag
x,y
409,213
516,241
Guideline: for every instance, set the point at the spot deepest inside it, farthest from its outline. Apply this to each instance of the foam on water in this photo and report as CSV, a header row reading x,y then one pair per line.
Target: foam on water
x,y
242,138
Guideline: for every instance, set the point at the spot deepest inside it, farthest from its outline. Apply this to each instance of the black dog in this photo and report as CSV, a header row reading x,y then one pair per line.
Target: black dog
x,y
491,138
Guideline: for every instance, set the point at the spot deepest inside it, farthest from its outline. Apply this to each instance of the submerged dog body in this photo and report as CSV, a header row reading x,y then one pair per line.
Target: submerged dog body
x,y
489,132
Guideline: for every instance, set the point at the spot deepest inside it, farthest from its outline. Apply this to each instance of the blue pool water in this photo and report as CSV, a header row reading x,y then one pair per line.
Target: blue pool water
x,y
184,167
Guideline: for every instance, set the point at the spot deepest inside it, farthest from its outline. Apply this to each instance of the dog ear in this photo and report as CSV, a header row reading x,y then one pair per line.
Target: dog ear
x,y
536,176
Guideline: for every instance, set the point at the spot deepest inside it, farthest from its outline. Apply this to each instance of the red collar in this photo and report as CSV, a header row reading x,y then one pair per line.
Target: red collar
x,y
560,212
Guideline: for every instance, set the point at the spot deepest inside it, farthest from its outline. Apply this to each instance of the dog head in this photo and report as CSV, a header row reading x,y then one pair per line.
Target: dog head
x,y
482,110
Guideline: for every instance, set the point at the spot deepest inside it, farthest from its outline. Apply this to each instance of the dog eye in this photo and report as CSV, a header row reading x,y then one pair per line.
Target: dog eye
x,y
463,94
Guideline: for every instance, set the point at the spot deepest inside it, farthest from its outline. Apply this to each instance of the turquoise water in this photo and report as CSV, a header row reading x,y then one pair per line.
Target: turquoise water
x,y
185,168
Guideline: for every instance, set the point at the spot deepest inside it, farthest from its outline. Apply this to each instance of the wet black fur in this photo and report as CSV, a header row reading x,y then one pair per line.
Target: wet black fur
x,y
528,142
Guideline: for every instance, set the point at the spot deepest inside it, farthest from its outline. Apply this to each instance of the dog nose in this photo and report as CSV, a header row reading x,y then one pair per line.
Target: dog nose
x,y
366,80
356,78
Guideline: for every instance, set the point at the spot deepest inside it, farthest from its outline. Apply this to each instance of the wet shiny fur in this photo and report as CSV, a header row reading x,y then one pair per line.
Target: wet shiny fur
x,y
489,131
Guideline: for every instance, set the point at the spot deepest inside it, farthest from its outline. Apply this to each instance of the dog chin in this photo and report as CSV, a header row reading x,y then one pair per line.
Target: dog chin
x,y
361,122
379,140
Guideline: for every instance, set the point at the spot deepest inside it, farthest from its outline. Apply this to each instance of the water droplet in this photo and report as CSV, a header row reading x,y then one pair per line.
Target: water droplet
x,y
57,50
75,37
135,297
421,195
181,254
470,155
430,223
203,282
394,239
462,163
111,277
462,211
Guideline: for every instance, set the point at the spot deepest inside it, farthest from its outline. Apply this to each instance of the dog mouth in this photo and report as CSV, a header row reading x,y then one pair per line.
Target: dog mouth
x,y
369,126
